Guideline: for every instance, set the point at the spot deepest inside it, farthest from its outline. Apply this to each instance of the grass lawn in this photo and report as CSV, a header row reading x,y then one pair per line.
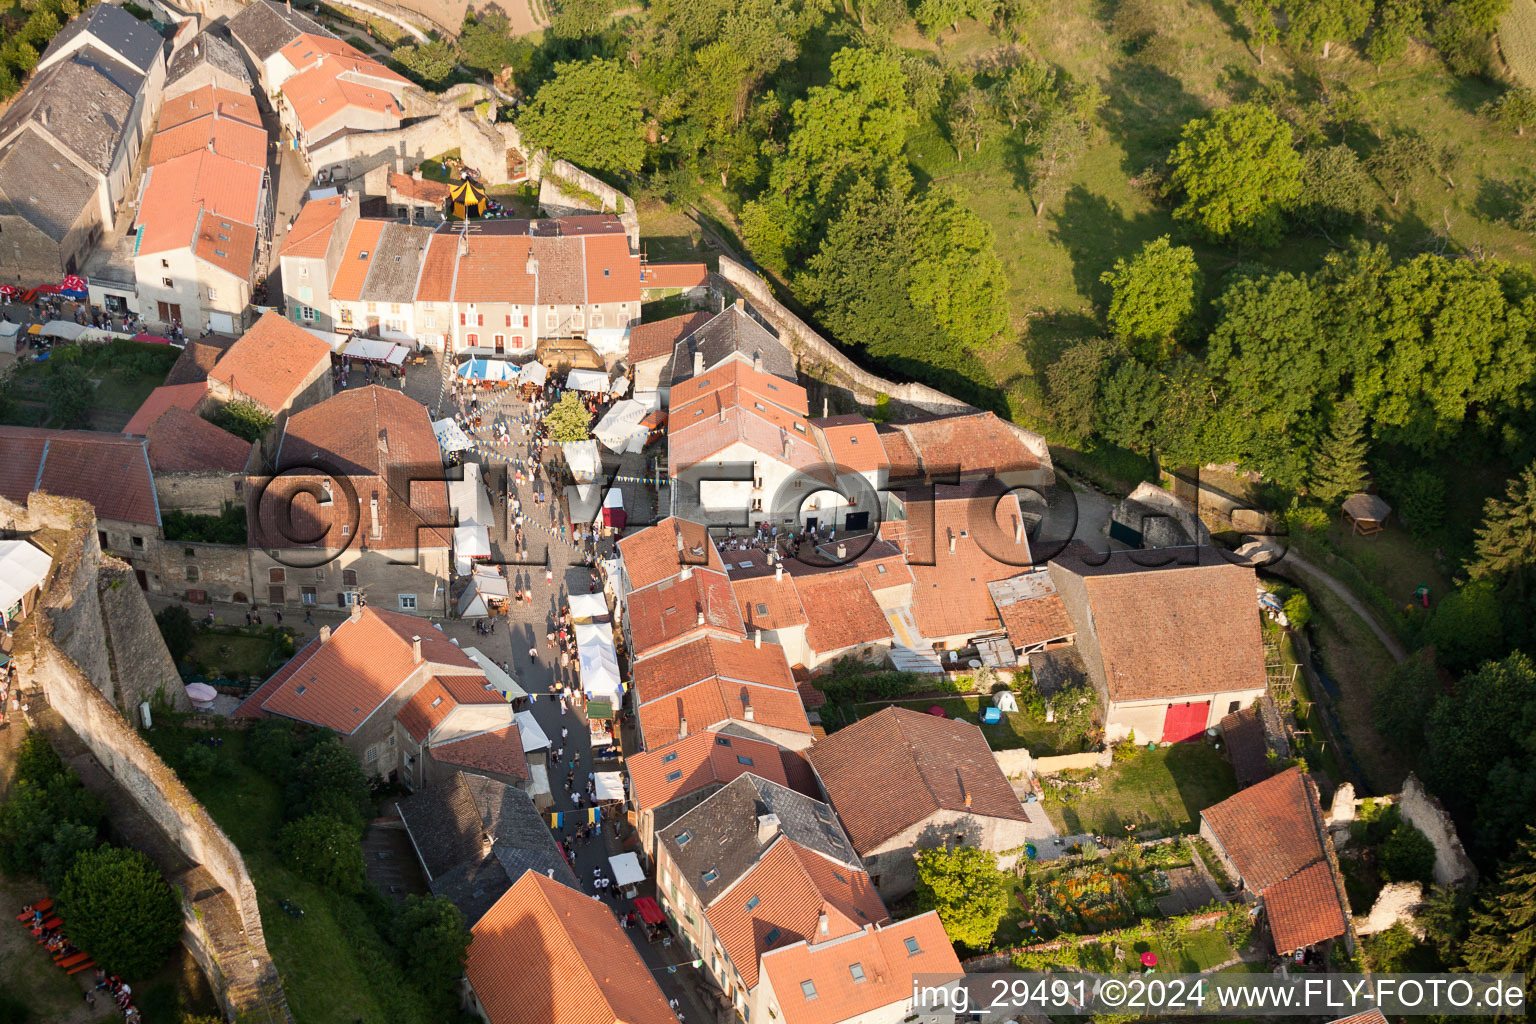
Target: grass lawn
x,y
1163,790
336,966
234,657
123,374
668,235
1014,731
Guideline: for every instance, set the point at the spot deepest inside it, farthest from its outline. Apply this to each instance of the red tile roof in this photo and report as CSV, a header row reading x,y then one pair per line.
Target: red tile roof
x,y
723,416
181,441
972,442
1177,630
1032,611
437,699
200,184
251,707
346,430
653,554
436,281
697,761
612,274
205,102
772,390
950,596
657,340
273,362
900,456
715,702
897,767
708,658
674,275
421,189
1272,834
310,235
851,443
228,245
179,396
499,751
793,886
356,256
108,471
547,954
340,683
224,136
769,603
842,611
663,613
887,971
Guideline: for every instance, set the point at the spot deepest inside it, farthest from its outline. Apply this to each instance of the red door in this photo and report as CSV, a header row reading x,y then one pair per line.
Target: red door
x,y
1185,721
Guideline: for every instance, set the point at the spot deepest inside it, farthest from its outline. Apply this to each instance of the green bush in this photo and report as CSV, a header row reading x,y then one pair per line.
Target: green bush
x,y
329,781
228,527
430,935
36,760
1298,610
245,420
1407,856
272,745
120,910
177,629
326,850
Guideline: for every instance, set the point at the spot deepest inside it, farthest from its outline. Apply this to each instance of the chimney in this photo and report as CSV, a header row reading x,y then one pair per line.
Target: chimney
x,y
757,640
698,363
532,266
686,573
325,633
679,541
823,926
1018,530
194,48
767,828
416,649
357,611
416,174
384,440
951,540
786,447
757,361
842,552
722,411
682,727
210,146
701,616
373,508
778,573
741,305
823,407
967,798
749,714
464,241
43,116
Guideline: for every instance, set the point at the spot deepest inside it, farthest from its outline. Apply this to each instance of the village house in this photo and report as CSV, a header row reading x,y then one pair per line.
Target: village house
x,y
903,781
1033,614
333,90
1171,650
665,782
720,683
205,211
311,256
868,977
416,198
206,61
547,952
276,366
475,837
659,554
966,448
373,290
732,335
262,30
62,175
198,468
1271,837
358,510
754,868
390,687
651,346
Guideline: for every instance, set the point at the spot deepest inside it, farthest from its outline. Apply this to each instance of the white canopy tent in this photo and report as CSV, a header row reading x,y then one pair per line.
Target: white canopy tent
x,y
470,541
68,330
451,436
23,568
533,373
331,338
583,459
626,868
620,430
608,786
598,661
505,684
487,369
1004,700
588,607
373,350
486,582
472,505
595,381
584,503
528,728
8,333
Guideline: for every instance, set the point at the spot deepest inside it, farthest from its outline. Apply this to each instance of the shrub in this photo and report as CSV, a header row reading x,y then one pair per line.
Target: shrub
x,y
36,760
326,850
271,745
329,780
964,885
243,419
430,935
177,629
1298,610
1407,856
120,910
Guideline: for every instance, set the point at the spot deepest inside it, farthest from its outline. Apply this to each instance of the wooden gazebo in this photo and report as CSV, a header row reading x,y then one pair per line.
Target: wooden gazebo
x,y
1366,514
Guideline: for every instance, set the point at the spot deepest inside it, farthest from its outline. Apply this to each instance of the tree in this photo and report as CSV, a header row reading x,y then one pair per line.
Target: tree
x,y
429,932
1239,174
1402,701
933,15
177,629
576,19
1406,855
1072,385
1504,549
1467,626
569,419
485,44
36,760
246,420
429,63
956,275
1153,297
969,121
590,114
1338,463
70,396
1336,188
330,781
1514,108
1396,23
964,885
1502,937
1399,160
1073,709
1062,144
120,910
1025,94
1259,18
326,850
272,745
69,840
1322,23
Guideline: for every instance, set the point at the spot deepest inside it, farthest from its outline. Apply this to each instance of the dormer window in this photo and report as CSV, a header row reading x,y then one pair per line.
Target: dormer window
x,y
436,701
711,876
683,837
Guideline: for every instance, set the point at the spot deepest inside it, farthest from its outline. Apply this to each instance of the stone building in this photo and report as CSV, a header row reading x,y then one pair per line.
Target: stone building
x,y
358,510
311,256
373,290
262,30
206,61
903,781
279,367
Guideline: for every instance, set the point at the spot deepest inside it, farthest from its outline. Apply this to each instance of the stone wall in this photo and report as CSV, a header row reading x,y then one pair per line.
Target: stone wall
x,y
435,126
223,570
1452,865
196,493
142,668
87,601
609,198
1020,764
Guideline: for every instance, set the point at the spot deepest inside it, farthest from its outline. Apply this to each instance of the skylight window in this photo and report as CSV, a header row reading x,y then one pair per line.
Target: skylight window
x,y
752,903
436,701
362,254
300,690
912,948
774,935
808,989
683,837
711,876
762,609
742,759
857,970
840,878
722,741
673,776
669,757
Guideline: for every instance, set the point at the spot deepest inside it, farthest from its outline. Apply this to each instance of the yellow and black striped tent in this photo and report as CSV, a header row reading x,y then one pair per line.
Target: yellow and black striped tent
x,y
467,200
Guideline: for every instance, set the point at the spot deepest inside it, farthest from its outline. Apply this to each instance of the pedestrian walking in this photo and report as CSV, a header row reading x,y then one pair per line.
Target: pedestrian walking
x,y
533,654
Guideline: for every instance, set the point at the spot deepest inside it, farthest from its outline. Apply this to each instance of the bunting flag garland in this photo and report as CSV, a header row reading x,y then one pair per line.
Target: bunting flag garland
x,y
556,820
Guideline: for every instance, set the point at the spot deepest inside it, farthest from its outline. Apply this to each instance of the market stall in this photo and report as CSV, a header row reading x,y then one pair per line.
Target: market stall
x,y
607,786
598,662
613,516
588,607
591,381
584,461
372,350
534,740
485,595
496,372
622,428
504,684
627,873
472,507
63,330
451,437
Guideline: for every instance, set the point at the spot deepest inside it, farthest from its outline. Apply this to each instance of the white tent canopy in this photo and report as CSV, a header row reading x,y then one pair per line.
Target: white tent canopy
x,y
533,373
586,607
470,502
487,581
504,683
375,351
331,338
528,728
1004,700
626,868
66,329
608,786
584,503
23,566
450,436
487,369
470,541
620,430
8,332
595,381
583,459
598,661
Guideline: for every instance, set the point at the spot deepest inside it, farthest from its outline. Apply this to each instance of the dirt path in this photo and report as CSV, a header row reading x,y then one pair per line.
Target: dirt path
x,y
1312,572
